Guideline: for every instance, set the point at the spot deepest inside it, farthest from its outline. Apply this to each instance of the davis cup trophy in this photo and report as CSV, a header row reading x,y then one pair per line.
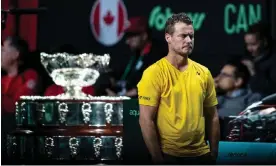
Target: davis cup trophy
x,y
74,71
72,126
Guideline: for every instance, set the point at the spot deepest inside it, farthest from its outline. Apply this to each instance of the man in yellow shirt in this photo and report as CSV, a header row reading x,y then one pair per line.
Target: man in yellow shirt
x,y
177,97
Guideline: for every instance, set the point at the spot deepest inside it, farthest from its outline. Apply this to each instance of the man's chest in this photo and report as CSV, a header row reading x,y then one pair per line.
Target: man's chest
x,y
187,87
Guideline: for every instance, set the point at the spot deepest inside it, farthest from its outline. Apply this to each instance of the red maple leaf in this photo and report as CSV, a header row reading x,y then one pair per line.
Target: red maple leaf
x,y
108,18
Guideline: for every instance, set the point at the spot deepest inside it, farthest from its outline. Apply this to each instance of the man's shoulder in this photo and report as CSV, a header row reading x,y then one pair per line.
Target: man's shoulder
x,y
253,95
30,73
201,69
198,65
156,67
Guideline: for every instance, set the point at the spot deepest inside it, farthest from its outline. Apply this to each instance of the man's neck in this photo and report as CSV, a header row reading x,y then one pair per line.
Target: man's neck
x,y
178,61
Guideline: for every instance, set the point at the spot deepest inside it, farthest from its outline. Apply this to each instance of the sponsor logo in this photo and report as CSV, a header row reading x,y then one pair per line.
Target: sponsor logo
x,y
273,153
237,154
144,98
236,17
158,18
108,21
134,113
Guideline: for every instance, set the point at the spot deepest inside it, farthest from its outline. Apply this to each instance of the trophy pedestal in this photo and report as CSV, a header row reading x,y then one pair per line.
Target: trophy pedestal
x,y
62,130
74,91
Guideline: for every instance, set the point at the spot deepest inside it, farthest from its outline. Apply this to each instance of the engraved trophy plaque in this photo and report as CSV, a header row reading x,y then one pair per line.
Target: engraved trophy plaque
x,y
73,72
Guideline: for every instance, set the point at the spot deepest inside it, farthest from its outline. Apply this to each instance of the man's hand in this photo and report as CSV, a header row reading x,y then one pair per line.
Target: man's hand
x,y
213,129
149,132
158,160
214,155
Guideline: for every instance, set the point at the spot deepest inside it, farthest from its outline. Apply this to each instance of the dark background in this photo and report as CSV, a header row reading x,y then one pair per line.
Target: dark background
x,y
67,22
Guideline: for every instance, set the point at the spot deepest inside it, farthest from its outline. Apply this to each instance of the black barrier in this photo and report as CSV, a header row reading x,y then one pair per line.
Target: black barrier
x,y
135,150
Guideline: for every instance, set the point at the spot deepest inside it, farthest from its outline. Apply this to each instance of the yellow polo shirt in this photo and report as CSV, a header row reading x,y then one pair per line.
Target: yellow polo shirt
x,y
180,97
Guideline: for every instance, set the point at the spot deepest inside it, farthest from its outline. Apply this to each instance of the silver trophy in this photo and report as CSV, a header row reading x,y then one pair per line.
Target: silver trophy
x,y
73,72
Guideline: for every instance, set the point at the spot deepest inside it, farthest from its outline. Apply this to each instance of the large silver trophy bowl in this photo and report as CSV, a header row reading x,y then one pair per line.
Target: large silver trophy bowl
x,y
73,72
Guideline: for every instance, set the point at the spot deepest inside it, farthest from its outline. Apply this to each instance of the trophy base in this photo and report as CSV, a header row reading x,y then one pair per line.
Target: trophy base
x,y
61,130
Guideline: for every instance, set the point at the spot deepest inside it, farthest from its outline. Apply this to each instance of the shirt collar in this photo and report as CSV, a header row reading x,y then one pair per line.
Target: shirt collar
x,y
237,93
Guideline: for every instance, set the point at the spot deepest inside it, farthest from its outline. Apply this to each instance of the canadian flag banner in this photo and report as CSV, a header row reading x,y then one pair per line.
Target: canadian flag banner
x,y
108,20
